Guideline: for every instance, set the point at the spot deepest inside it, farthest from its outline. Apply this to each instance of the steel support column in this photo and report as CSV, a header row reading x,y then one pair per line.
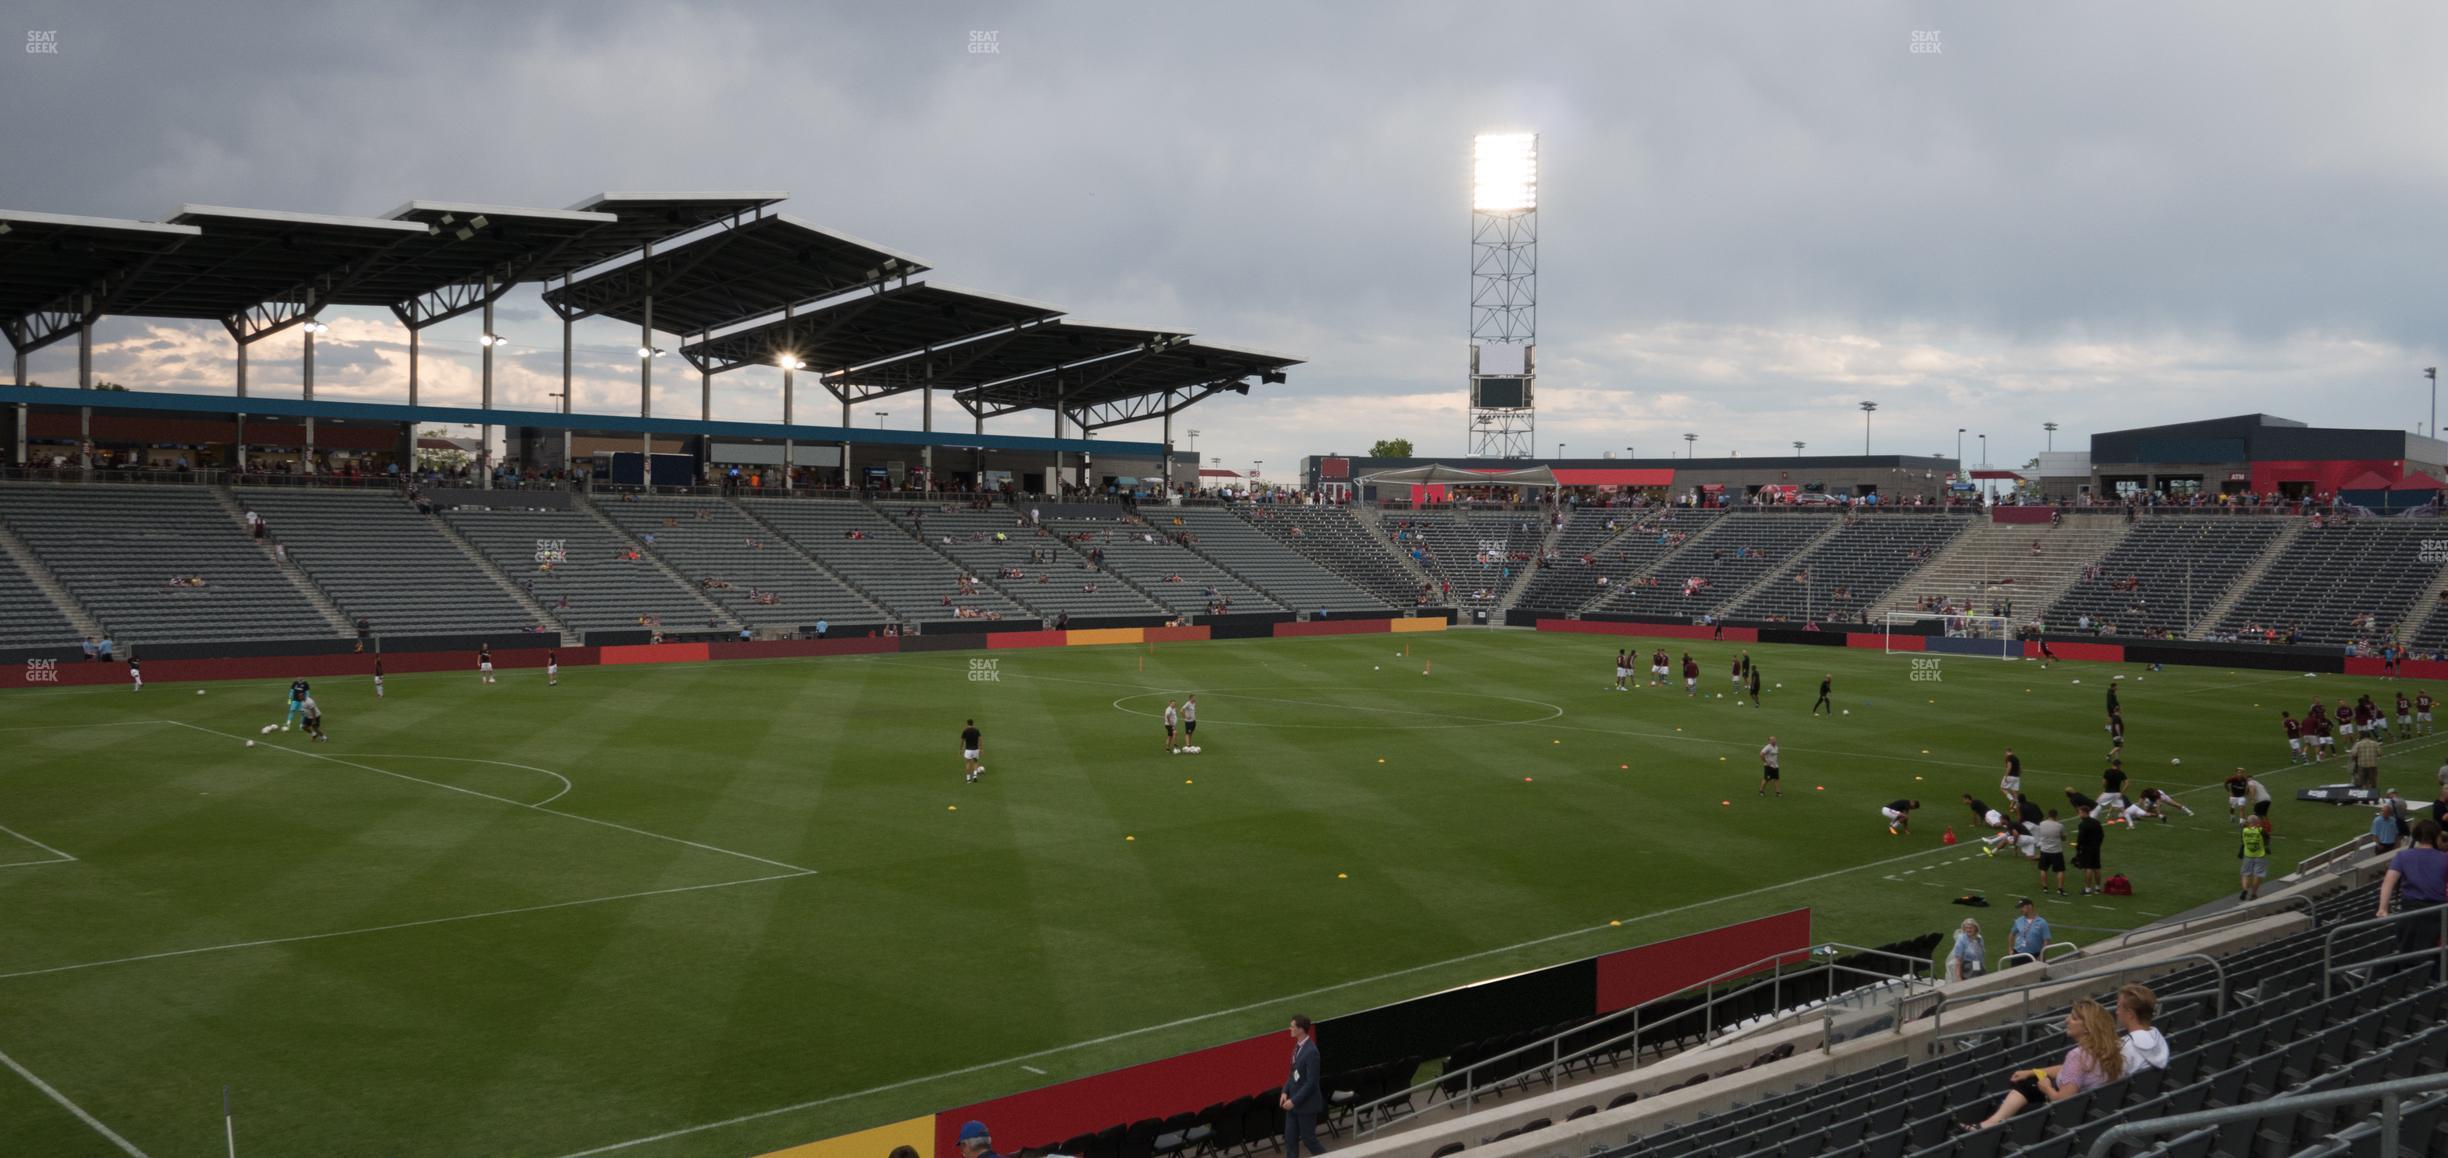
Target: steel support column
x,y
646,367
484,432
845,399
415,347
790,446
242,388
926,422
18,456
1164,465
307,390
566,464
85,382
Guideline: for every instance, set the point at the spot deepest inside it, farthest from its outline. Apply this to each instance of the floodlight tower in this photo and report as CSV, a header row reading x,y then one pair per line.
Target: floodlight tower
x,y
1504,295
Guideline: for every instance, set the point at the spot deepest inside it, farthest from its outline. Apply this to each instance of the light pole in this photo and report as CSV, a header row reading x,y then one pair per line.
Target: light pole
x,y
880,416
2432,372
2051,427
1959,433
1194,446
1559,450
1984,450
1798,449
1691,446
1630,453
1866,408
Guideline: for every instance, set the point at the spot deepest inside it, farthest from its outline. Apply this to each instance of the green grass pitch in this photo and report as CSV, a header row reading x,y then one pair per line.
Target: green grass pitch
x,y
514,919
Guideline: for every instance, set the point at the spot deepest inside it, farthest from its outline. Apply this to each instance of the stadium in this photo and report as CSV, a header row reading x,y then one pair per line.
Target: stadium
x,y
564,741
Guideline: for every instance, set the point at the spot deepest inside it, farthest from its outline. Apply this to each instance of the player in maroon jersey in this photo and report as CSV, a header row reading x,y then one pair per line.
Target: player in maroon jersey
x,y
2422,713
2294,735
1691,675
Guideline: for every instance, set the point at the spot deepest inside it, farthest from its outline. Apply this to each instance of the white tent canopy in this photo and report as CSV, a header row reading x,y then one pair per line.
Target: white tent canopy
x,y
1440,474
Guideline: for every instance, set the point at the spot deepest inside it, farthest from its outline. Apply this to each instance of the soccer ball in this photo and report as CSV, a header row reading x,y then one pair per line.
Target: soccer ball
x,y
1376,667
2175,760
1194,749
250,743
1848,711
268,729
199,691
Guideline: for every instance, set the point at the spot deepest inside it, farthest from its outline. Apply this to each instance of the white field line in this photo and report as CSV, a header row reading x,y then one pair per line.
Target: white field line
x,y
503,800
565,784
56,1096
1235,1011
57,857
260,942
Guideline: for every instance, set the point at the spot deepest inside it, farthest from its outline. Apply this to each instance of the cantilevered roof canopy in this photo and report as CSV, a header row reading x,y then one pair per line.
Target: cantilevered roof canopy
x,y
856,331
49,261
733,275
247,258
1032,348
1151,370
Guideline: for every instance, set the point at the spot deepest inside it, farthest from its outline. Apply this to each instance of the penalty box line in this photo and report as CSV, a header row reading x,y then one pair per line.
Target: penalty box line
x,y
49,1092
1235,1011
795,869
56,857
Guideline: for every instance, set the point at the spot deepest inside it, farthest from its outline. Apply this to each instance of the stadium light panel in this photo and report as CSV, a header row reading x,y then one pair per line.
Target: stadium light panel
x,y
1504,172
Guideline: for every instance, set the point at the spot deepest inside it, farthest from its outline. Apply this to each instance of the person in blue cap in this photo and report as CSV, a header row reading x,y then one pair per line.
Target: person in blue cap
x,y
975,1142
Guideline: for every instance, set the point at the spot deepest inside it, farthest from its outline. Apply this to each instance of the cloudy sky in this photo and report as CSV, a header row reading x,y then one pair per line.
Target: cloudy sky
x,y
1753,217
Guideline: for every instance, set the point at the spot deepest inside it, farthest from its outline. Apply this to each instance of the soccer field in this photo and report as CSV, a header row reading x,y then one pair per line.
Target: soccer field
x,y
513,919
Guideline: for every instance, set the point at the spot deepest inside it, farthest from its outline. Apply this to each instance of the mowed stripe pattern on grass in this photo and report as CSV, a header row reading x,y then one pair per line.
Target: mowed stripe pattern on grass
x,y
952,924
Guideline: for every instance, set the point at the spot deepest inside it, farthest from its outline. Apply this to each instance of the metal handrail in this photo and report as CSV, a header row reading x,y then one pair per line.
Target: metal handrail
x,y
2329,943
2360,842
2025,989
2390,1093
1554,1044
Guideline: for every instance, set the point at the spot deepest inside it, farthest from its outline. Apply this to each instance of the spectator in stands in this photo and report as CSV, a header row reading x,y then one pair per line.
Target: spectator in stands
x,y
93,652
975,1142
2030,933
2144,1048
2418,879
102,650
2096,1060
1967,959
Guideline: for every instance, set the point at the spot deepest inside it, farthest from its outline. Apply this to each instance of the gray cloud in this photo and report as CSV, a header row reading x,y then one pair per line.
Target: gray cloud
x,y
2091,213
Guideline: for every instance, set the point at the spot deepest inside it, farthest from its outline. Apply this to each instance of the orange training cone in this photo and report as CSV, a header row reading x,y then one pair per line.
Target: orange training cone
x,y
1949,838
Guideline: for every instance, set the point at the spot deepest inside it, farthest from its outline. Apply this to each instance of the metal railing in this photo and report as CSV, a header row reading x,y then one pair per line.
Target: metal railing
x,y
2286,901
2391,1093
2024,1018
1372,1116
2438,953
2361,843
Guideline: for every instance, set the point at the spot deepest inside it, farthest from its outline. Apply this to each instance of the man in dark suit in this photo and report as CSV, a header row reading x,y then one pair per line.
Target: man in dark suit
x,y
1304,1095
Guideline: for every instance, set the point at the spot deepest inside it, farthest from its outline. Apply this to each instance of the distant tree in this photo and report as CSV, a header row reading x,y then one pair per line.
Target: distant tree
x,y
1391,448
446,460
107,384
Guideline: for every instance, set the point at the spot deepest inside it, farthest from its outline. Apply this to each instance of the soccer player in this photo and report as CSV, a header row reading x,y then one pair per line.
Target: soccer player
x,y
378,685
1661,669
1190,723
2077,801
2089,837
2113,708
1691,675
1755,680
971,768
2253,855
2049,836
2012,782
2422,713
1623,668
297,703
552,669
2243,793
2346,721
1768,769
1172,718
1899,816
136,674
1738,674
2405,717
2116,732
2160,802
484,661
2112,786
1826,682
2326,740
314,719
2294,735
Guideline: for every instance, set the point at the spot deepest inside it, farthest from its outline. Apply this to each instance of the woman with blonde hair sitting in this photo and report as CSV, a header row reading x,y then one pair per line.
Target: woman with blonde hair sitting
x,y
2096,1060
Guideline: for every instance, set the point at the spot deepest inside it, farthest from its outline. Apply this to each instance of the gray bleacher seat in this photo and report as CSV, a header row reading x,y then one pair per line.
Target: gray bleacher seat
x,y
1480,554
1737,551
733,559
1031,564
1265,562
2185,564
28,618
1175,575
116,548
1843,576
891,568
2320,583
557,553
1341,542
376,558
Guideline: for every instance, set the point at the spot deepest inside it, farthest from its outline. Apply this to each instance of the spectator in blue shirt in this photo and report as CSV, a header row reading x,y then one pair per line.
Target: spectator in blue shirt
x,y
2031,931
104,648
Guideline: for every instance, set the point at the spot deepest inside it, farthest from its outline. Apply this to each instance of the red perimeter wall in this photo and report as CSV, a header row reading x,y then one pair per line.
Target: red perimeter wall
x,y
1656,630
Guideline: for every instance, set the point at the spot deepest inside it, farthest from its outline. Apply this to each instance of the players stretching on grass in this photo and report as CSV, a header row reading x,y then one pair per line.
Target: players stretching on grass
x,y
1899,816
1826,682
378,688
314,719
1755,679
552,669
1623,668
2152,804
1172,718
1768,769
1691,675
484,661
2012,782
971,769
1190,724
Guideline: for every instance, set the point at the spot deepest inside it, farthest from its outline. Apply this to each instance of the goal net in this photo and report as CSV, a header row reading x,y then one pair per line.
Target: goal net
x,y
1980,635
